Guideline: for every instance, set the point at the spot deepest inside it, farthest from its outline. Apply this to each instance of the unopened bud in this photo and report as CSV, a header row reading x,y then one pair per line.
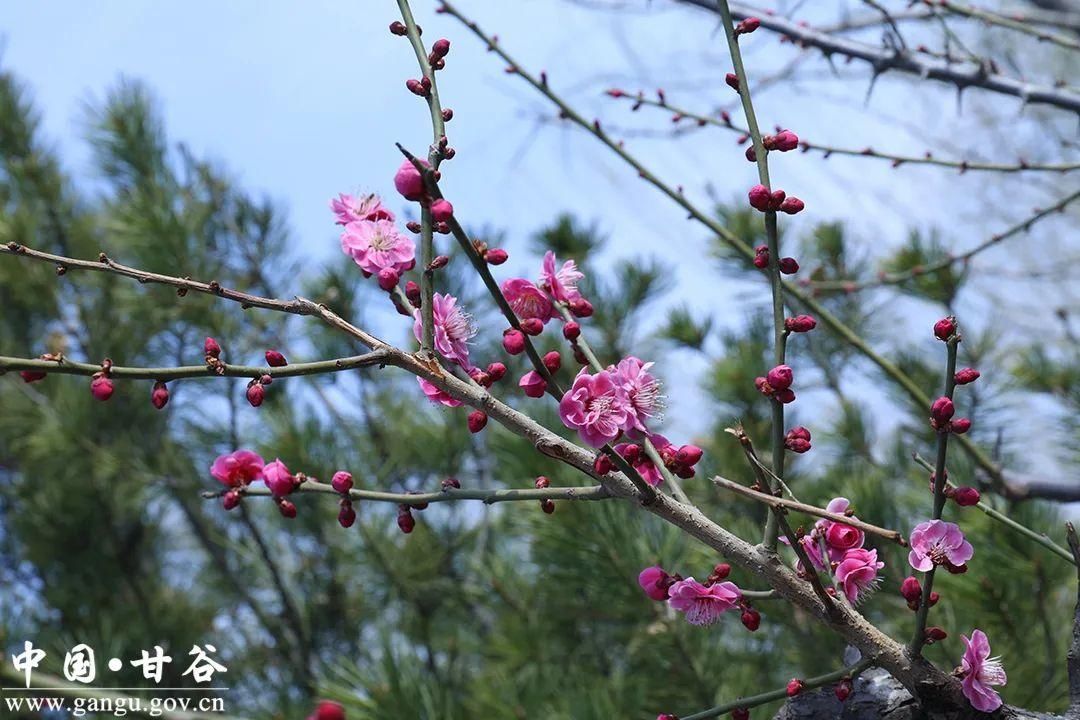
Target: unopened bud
x,y
945,328
532,326
965,376
442,210
255,394
571,331
275,359
513,341
794,687
477,420
496,256
159,396
553,361
342,482
965,496
800,323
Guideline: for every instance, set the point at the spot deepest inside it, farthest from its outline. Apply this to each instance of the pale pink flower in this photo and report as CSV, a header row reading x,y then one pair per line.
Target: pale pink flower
x,y
561,283
453,329
703,604
434,394
938,543
654,581
377,245
596,407
237,468
641,388
527,300
980,671
857,572
278,478
349,208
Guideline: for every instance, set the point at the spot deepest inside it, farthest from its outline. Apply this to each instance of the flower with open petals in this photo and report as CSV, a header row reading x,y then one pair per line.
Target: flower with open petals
x,y
596,406
641,388
434,394
237,468
527,300
453,329
857,573
980,671
703,604
938,543
377,245
561,283
348,208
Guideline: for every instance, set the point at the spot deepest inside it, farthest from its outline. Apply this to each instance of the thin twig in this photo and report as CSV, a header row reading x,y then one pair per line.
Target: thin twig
x,y
488,497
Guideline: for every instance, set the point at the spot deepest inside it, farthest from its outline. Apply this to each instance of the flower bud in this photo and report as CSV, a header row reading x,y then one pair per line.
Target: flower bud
x,y
794,687
442,210
759,198
30,376
602,464
747,26
255,394
945,328
789,265
740,714
533,384
513,341
571,331
388,279
496,256
286,508
532,326
797,439
440,48
580,307
346,515
751,153
910,589
966,496
942,410
477,420
732,81
159,396
547,505
800,323
101,388
408,180
398,28
843,689
451,483
211,347
960,425
751,619
688,455
935,634
230,499
342,481
721,571
405,520
965,376
496,371
933,599
792,205
784,141
416,87
785,396
275,359
328,709
553,361
780,377
447,114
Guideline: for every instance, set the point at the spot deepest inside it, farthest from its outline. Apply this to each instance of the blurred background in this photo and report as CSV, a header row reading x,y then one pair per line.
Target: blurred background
x,y
206,140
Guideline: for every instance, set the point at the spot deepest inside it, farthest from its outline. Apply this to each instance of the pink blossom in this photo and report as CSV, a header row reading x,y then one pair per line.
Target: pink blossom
x,y
453,329
278,478
654,581
377,245
527,300
348,208
237,468
980,671
938,543
596,406
408,180
641,462
703,604
434,394
641,388
561,283
857,572
533,384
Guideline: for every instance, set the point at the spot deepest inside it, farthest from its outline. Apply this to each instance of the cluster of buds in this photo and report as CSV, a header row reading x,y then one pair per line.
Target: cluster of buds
x,y
763,200
788,266
941,417
421,86
342,482
547,504
777,384
212,355
101,385
911,591
439,50
799,323
492,256
782,141
797,439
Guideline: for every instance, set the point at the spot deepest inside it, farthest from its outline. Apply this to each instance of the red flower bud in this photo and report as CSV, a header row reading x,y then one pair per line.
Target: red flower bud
x,y
740,714
286,508
447,114
230,499
496,371
542,482
101,388
602,464
342,481
935,634
440,48
780,377
933,599
159,396
398,28
275,359
966,496
843,689
789,266
965,376
477,420
942,410
960,425
792,206
910,589
533,385
747,26
547,505
211,347
451,483
496,256
405,520
513,341
255,394
416,87
794,687
407,180
688,455
784,141
733,81
30,376
412,292
388,279
532,326
785,396
760,198
553,361
442,211
945,328
800,323
571,330
580,307
751,153
721,571
346,515
797,439
751,619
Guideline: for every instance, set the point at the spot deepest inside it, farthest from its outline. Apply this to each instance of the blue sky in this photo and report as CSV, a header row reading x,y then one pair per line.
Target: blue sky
x,y
304,100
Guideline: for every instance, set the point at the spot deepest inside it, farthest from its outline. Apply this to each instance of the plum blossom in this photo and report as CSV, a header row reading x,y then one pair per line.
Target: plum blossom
x,y
857,573
703,604
980,671
453,329
938,543
377,245
596,406
641,388
561,283
349,208
434,394
641,462
839,537
237,468
655,582
527,300
278,478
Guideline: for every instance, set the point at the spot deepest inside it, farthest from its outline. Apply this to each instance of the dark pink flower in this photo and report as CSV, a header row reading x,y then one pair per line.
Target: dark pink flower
x,y
453,329
857,573
237,468
937,542
348,208
434,394
278,478
527,300
980,672
654,581
533,384
641,388
596,406
562,282
703,605
377,245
